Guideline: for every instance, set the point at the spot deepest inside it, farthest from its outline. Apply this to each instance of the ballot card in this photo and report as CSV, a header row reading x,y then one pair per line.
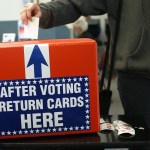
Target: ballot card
x,y
31,29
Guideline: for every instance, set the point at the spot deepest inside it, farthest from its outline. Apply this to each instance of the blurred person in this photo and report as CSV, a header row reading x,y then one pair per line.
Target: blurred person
x,y
132,53
80,28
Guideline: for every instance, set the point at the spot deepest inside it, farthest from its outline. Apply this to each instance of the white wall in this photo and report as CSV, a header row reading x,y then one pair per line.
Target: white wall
x,y
10,9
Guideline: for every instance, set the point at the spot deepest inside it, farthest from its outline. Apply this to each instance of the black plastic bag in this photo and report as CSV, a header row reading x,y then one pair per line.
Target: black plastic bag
x,y
105,101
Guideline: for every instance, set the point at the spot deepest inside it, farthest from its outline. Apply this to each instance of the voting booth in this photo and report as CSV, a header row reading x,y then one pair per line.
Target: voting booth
x,y
48,88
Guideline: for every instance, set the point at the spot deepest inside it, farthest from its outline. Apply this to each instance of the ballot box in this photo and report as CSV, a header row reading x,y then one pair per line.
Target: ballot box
x,y
48,88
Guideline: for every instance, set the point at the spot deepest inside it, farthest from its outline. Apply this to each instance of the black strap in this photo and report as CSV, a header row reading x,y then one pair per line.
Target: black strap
x,y
112,60
105,61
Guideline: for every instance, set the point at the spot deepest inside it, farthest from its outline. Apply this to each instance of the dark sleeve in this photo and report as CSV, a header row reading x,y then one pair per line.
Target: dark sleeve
x,y
60,12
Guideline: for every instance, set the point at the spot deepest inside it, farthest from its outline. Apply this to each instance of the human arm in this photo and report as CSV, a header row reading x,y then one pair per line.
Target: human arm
x,y
61,12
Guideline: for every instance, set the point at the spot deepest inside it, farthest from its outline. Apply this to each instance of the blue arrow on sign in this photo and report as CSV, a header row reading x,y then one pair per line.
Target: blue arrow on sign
x,y
37,59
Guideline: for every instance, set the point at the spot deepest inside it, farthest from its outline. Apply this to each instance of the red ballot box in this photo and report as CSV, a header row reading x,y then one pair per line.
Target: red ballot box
x,y
48,87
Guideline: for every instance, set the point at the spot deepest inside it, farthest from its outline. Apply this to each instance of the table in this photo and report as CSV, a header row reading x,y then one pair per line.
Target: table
x,y
95,141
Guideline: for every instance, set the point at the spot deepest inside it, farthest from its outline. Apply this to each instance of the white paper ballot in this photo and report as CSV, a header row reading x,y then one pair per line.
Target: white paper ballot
x,y
32,28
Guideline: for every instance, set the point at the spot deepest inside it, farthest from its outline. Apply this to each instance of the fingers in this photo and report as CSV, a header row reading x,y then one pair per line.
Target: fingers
x,y
31,7
30,10
23,16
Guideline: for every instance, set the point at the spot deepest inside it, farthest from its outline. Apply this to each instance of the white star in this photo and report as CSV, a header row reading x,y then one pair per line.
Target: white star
x,y
80,79
5,83
74,79
11,83
86,90
31,131
65,129
82,128
52,81
42,130
59,129
76,128
71,128
37,131
0,84
87,111
48,130
17,83
34,81
63,80
54,130
26,132
14,132
87,116
46,81
2,133
86,79
22,82
87,106
20,132
40,81
57,80
86,95
86,84
87,122
29,82
87,127
87,100
69,80
8,133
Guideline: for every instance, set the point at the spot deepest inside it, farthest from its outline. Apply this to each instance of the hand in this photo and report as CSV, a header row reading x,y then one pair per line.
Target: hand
x,y
29,11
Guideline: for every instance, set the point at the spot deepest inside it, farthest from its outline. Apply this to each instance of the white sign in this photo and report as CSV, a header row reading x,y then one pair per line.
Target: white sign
x,y
8,37
37,61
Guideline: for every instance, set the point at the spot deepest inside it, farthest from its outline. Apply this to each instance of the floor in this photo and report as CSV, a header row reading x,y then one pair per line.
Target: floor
x,y
116,106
